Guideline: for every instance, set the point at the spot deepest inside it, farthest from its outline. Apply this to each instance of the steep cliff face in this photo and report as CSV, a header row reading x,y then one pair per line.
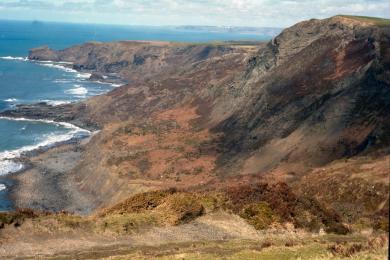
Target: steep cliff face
x,y
134,61
317,92
159,74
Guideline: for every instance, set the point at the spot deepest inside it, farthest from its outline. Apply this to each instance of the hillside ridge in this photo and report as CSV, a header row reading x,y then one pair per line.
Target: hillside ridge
x,y
209,117
256,150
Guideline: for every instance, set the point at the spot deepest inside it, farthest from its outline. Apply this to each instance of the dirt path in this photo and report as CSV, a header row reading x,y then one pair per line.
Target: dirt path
x,y
33,239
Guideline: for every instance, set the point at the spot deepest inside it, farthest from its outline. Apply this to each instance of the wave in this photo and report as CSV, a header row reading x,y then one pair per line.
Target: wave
x,y
14,58
58,66
62,81
63,124
7,165
10,100
77,90
56,102
114,85
83,75
2,186
42,62
101,82
55,62
48,101
62,66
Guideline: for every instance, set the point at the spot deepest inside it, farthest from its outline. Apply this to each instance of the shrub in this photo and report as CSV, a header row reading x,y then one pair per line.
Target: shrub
x,y
345,250
126,223
140,202
180,208
284,204
259,215
279,197
17,217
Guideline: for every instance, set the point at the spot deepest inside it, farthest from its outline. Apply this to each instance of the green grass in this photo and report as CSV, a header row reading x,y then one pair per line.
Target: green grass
x,y
313,251
239,249
375,20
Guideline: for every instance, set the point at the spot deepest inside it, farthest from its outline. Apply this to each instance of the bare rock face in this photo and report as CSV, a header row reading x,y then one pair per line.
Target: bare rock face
x,y
318,91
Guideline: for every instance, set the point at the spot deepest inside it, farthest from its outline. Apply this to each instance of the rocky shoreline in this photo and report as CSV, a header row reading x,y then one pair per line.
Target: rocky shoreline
x,y
45,183
42,111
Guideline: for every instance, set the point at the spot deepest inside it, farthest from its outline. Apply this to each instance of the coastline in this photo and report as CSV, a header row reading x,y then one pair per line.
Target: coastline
x,y
44,182
47,184
11,159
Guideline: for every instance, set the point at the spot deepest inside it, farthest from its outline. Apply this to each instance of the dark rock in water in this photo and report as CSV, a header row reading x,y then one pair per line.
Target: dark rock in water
x,y
81,67
97,76
61,113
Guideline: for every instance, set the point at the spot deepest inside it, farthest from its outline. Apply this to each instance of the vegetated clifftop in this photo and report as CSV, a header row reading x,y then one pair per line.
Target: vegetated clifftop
x,y
207,116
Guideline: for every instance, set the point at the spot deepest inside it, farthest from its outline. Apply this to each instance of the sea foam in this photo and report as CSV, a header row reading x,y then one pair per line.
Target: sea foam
x,y
14,58
77,90
116,85
83,75
10,100
58,66
55,62
61,65
7,165
55,102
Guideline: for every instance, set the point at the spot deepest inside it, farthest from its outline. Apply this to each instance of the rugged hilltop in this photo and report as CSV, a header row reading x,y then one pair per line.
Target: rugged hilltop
x,y
300,123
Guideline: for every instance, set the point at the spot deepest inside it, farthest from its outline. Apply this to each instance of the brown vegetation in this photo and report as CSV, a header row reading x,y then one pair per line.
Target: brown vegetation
x,y
17,217
348,250
293,132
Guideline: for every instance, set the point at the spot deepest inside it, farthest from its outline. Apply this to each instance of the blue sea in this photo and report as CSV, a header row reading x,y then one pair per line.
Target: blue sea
x,y
23,81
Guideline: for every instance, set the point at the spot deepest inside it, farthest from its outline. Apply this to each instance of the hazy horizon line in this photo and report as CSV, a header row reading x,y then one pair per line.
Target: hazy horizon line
x,y
140,25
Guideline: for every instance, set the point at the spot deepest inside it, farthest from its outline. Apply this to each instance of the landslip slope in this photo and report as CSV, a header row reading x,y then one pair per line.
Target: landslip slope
x,y
208,116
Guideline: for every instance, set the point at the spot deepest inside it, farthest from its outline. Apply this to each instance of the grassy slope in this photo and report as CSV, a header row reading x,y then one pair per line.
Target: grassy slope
x,y
169,210
375,20
276,248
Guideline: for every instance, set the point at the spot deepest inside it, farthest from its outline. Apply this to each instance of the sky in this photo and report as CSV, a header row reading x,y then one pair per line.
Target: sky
x,y
256,13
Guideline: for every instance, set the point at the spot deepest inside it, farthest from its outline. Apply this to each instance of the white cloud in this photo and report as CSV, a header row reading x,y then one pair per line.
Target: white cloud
x,y
213,12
